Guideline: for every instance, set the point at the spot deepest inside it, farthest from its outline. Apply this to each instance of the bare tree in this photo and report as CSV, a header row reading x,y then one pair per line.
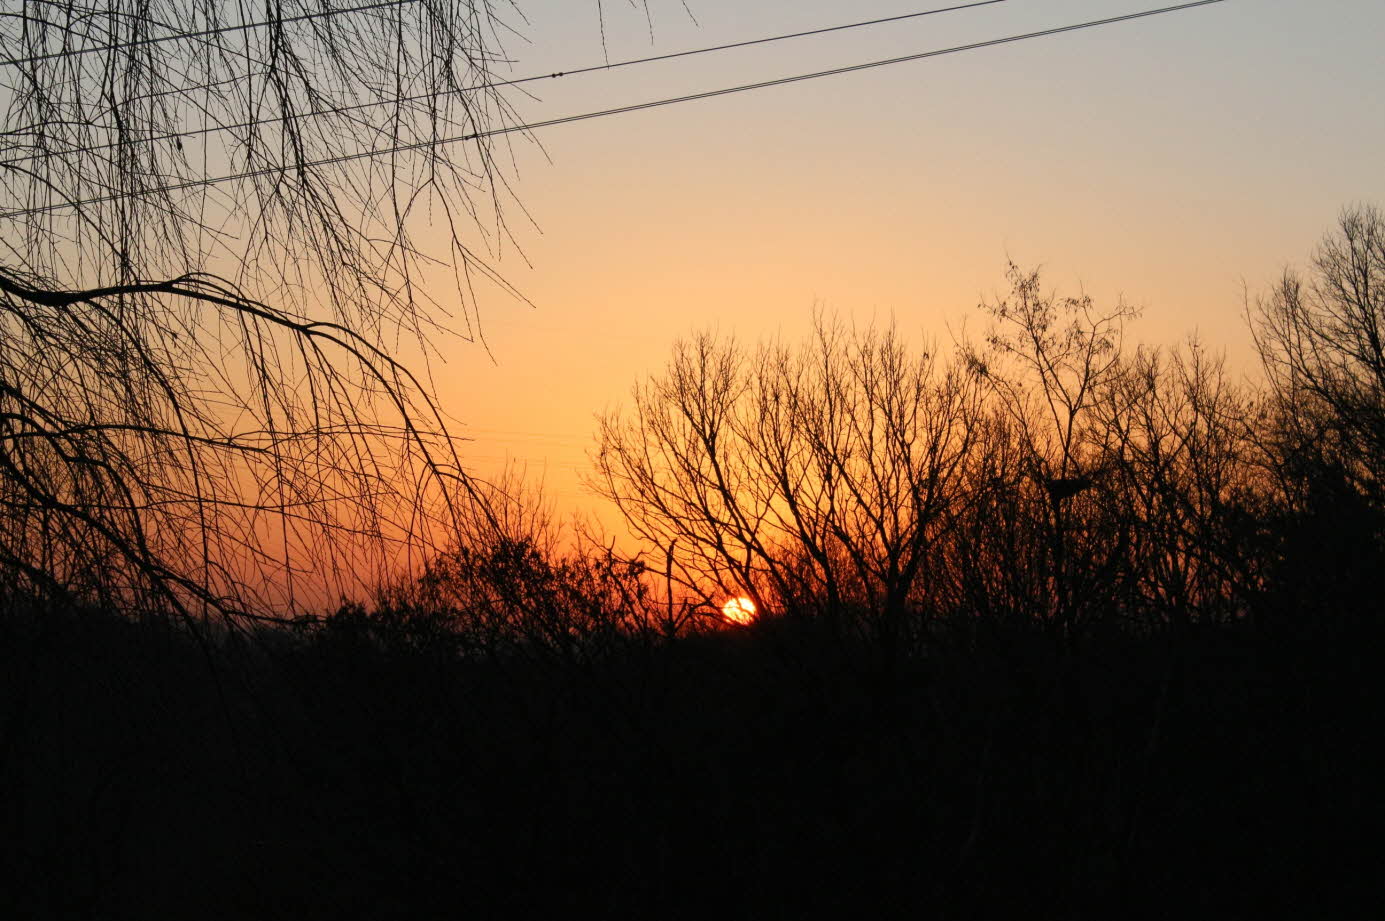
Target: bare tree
x,y
1321,338
818,475
219,225
523,582
1185,481
1047,360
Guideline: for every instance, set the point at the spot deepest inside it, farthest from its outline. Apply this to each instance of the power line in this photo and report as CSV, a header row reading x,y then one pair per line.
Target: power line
x,y
500,84
757,41
619,110
203,33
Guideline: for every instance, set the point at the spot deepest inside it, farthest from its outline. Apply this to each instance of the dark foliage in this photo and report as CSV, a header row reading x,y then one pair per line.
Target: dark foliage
x,y
345,769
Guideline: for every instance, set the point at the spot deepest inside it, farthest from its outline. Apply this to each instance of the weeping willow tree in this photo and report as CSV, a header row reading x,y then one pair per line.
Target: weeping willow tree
x,y
220,224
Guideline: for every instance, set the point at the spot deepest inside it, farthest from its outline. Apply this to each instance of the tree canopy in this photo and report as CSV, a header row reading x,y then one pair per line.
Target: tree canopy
x,y
220,223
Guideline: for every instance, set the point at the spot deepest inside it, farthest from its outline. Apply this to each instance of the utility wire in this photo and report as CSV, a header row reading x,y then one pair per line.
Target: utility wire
x,y
243,27
423,97
754,41
203,33
619,110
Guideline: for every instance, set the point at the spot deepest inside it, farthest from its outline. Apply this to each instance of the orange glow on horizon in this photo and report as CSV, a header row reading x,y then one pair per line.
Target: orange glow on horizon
x,y
740,611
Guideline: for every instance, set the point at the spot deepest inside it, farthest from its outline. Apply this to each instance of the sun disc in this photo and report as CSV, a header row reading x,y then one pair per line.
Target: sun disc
x,y
738,610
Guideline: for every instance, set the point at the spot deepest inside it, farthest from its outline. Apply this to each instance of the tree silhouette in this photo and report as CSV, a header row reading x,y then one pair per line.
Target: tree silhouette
x,y
522,583
219,227
1321,338
1047,360
1185,476
820,476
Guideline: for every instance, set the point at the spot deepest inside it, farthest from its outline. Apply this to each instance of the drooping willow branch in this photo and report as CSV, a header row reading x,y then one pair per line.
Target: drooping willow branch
x,y
137,463
203,401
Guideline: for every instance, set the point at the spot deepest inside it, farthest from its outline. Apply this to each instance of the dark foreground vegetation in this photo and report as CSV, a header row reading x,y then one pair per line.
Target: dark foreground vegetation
x,y
350,770
1061,630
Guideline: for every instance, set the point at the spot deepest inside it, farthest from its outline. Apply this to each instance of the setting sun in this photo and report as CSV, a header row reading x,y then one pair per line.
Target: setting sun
x,y
738,610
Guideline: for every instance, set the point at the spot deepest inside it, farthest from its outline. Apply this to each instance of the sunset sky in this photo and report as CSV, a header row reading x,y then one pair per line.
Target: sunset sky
x,y
1175,160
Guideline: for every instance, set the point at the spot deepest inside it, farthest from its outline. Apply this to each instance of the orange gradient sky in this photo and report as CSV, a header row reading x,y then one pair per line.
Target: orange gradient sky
x,y
1173,160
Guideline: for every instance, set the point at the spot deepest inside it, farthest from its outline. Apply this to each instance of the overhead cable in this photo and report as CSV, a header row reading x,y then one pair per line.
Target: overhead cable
x,y
619,110
499,84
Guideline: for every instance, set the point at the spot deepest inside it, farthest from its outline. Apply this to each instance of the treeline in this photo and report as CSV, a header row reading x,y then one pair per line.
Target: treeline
x,y
1052,473
1053,627
354,768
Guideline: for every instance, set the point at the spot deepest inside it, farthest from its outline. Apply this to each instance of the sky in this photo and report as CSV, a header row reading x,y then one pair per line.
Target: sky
x,y
1179,161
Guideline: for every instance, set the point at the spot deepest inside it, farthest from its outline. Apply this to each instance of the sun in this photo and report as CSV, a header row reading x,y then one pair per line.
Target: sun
x,y
738,610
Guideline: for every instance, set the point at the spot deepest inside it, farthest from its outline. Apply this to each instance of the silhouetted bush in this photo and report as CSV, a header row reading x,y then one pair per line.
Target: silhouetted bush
x,y
332,770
